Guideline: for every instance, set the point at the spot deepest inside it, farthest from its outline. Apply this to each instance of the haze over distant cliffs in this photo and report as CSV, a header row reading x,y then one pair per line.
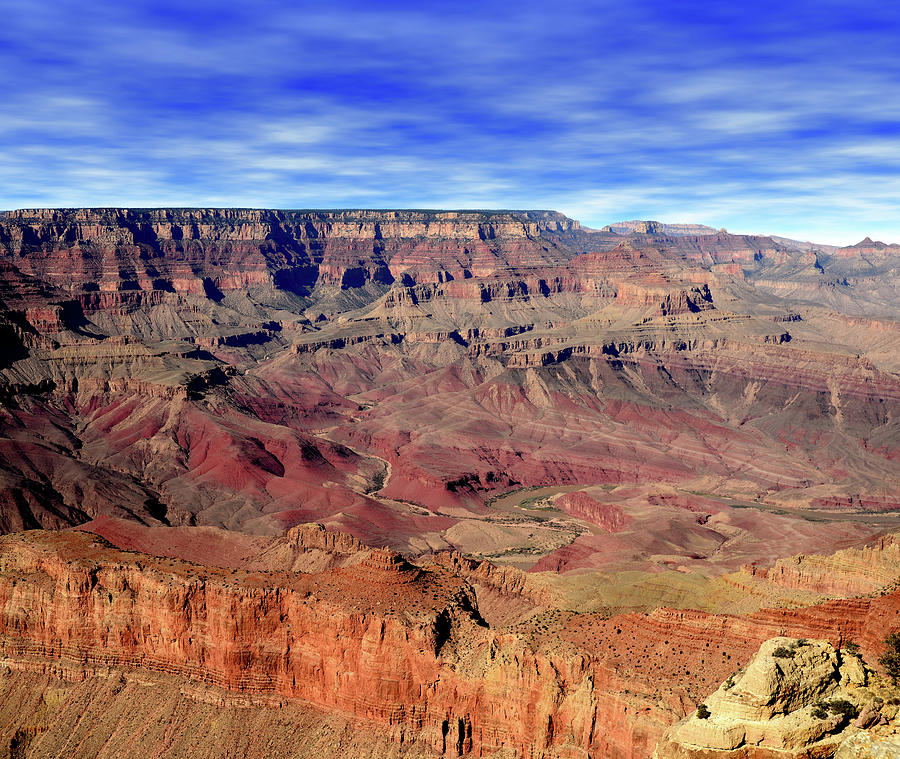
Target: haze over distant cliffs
x,y
593,464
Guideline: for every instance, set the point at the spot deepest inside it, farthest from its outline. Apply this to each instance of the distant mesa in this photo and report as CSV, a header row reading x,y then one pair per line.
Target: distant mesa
x,y
638,226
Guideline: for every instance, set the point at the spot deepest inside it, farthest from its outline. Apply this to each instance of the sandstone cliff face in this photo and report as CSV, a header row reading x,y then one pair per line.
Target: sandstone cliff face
x,y
108,713
389,643
208,250
309,548
607,515
849,572
400,647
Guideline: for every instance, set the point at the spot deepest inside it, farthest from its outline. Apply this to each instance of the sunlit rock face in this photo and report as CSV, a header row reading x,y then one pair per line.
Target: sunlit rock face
x,y
479,482
795,698
316,620
401,649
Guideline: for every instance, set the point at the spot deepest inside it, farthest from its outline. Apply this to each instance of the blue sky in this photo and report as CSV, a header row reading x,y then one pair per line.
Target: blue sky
x,y
782,119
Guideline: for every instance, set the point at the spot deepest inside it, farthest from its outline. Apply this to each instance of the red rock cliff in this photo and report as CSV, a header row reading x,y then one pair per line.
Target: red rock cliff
x,y
382,640
400,647
207,250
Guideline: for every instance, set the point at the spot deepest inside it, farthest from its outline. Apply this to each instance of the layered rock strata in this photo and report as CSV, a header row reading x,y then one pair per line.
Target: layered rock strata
x,y
402,648
399,647
341,362
849,572
203,251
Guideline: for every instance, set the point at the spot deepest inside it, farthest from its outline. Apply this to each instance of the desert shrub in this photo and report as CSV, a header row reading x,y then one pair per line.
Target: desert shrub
x,y
819,713
890,659
782,652
851,648
703,712
843,707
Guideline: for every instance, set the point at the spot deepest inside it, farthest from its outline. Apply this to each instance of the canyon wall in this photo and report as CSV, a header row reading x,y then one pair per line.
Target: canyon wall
x,y
448,356
173,374
204,251
853,571
397,646
400,647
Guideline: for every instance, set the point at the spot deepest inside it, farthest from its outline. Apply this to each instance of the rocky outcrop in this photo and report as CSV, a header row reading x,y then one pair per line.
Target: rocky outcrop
x,y
609,516
795,698
507,581
870,745
849,572
309,548
666,301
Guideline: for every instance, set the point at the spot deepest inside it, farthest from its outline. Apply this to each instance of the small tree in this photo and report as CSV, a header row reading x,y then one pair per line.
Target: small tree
x,y
890,659
703,712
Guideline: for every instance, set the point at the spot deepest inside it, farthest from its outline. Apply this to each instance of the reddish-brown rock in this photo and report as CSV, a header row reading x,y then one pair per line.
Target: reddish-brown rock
x,y
328,361
400,647
609,516
850,572
382,640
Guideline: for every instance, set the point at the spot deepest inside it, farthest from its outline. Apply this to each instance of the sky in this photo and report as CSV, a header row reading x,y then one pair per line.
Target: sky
x,y
768,117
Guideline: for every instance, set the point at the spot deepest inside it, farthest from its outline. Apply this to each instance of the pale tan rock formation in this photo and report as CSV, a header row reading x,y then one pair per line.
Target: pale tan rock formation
x,y
870,745
795,699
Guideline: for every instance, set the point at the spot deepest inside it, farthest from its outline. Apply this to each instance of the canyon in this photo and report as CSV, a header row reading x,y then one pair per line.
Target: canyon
x,y
428,483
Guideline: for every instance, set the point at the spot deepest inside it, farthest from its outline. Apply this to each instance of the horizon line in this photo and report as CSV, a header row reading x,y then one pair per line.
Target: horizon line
x,y
334,209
